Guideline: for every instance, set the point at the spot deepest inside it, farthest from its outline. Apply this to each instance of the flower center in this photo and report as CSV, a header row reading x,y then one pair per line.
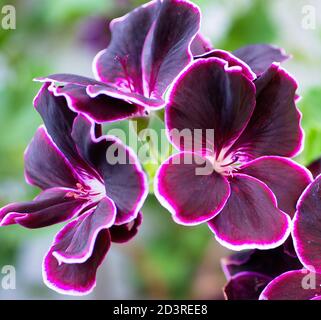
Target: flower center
x,y
92,191
225,165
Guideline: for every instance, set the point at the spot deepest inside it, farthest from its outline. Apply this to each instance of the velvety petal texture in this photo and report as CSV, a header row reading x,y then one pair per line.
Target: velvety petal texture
x,y
210,95
191,198
307,226
245,286
250,218
82,235
280,174
200,45
125,232
50,207
271,263
124,179
232,60
260,56
74,278
293,285
274,128
46,166
147,61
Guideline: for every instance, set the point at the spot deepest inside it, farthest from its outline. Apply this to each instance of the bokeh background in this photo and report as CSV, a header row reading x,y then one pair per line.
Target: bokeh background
x,y
165,260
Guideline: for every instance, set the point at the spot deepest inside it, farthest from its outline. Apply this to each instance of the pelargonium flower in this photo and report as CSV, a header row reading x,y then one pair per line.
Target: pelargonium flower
x,y
307,240
67,160
275,273
249,272
251,191
149,47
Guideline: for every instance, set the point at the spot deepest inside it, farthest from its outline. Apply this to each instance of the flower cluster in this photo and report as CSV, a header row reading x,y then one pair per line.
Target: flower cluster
x,y
241,181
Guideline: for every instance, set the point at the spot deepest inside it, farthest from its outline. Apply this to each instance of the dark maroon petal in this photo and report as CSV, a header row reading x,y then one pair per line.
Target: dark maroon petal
x,y
134,99
50,207
232,60
46,166
284,177
209,95
315,167
80,235
307,225
167,47
260,56
190,197
245,286
293,285
58,120
125,180
200,45
146,62
106,104
274,128
271,263
125,232
74,278
250,218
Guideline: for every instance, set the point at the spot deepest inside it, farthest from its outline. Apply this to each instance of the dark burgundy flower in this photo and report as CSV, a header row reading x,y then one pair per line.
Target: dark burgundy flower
x,y
300,283
249,272
251,191
67,160
149,47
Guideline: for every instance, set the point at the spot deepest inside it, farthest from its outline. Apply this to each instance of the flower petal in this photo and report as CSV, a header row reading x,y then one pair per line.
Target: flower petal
x,y
167,47
125,180
274,128
293,285
190,197
271,263
250,218
102,102
200,45
125,232
80,235
146,62
46,166
283,176
232,60
207,96
58,120
307,225
245,286
50,207
260,56
74,278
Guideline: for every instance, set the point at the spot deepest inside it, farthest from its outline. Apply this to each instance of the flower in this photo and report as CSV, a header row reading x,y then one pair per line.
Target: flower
x,y
251,189
67,160
274,274
149,47
248,272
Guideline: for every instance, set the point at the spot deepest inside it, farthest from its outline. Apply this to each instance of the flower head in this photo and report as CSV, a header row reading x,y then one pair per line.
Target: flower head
x,y
149,47
250,187
67,160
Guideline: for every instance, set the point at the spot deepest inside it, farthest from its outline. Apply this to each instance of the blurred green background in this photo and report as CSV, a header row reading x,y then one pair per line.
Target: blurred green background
x,y
165,260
